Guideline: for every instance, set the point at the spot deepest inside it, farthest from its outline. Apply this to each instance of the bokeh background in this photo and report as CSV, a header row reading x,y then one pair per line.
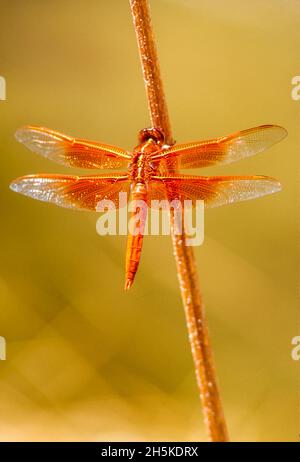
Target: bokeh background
x,y
86,361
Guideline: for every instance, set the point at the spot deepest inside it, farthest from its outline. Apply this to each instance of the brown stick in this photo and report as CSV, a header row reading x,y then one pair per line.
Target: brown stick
x,y
184,255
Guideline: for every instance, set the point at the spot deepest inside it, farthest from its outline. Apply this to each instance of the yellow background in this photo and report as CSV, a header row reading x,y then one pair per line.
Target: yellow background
x,y
86,361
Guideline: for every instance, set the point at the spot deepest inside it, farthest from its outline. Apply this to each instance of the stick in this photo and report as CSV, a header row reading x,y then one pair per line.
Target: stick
x,y
184,255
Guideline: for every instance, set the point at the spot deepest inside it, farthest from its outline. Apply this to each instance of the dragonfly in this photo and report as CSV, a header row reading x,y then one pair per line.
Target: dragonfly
x,y
149,172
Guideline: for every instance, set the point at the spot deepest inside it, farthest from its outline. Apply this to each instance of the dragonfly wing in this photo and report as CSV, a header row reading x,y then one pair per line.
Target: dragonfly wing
x,y
214,191
71,151
222,150
76,192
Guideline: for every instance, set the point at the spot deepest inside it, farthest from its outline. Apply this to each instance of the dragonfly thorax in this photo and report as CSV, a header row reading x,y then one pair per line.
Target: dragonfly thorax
x,y
141,165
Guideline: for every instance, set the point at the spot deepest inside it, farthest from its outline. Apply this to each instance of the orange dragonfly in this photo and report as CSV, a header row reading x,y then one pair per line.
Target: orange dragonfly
x,y
145,176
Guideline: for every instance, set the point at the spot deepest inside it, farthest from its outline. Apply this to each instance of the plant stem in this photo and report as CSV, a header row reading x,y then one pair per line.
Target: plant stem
x,y
184,255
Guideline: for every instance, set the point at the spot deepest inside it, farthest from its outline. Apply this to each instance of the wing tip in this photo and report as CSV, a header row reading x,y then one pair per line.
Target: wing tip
x,y
282,132
262,186
271,180
16,185
275,186
13,186
19,135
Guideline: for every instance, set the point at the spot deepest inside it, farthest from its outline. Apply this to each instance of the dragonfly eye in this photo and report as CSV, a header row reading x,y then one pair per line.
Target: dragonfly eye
x,y
151,133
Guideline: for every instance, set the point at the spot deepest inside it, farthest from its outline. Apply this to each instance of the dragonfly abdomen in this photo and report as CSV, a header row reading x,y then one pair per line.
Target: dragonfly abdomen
x,y
136,232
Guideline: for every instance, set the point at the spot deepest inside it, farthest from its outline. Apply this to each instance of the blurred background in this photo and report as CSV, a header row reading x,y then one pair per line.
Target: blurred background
x,y
86,361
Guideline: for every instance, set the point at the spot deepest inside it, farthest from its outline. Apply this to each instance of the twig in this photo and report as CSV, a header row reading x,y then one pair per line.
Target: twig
x,y
184,255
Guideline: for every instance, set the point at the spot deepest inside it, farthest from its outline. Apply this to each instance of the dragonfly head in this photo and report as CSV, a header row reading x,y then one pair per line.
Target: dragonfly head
x,y
153,133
